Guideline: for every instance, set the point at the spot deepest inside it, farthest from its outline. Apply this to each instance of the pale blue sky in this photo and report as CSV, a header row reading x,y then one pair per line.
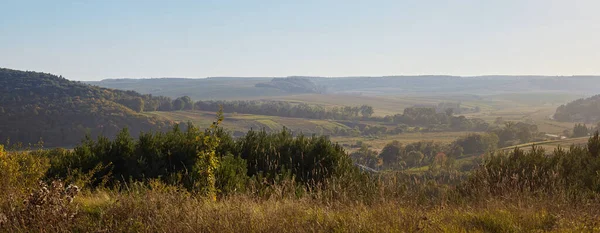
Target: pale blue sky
x,y
92,40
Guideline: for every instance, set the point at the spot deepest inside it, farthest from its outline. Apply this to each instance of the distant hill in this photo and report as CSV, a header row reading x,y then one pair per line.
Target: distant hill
x,y
479,85
256,87
60,112
293,85
221,88
581,110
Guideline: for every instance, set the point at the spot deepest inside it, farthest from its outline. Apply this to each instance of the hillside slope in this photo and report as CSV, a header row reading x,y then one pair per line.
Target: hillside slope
x,y
581,110
38,106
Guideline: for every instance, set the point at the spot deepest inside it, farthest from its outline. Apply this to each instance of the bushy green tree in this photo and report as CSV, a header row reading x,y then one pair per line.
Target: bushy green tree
x,y
366,111
391,153
367,157
178,104
580,130
413,158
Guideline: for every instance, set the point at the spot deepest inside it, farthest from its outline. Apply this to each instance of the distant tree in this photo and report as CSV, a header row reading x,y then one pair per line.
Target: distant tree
x,y
178,104
137,104
475,144
165,106
391,152
366,111
441,162
188,104
367,157
499,121
413,158
456,151
580,130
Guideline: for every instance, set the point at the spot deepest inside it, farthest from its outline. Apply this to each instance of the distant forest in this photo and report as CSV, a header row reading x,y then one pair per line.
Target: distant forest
x,y
581,110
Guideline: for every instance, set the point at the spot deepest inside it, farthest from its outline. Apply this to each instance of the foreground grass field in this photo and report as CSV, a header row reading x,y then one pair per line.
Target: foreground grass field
x,y
168,209
154,211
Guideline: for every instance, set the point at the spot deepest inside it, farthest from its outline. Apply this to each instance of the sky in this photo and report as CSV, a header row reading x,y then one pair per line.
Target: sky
x,y
94,40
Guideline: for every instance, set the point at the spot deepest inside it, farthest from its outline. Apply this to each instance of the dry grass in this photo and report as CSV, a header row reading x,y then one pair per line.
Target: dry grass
x,y
173,211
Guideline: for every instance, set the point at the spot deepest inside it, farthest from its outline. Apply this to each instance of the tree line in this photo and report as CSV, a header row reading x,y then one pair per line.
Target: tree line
x,y
425,118
396,155
209,161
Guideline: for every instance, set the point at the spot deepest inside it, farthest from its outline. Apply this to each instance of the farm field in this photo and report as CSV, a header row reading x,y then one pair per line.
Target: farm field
x,y
390,104
244,122
383,105
541,116
549,146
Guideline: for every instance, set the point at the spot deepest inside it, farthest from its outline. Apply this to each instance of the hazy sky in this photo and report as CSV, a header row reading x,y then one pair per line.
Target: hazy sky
x,y
92,40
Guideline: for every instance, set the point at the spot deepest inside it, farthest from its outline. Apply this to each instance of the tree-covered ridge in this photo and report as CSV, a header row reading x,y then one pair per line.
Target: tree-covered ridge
x,y
38,106
293,85
252,87
286,109
582,110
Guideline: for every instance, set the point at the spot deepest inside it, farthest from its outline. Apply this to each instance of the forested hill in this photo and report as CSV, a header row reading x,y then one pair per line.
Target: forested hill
x,y
293,85
60,112
581,110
